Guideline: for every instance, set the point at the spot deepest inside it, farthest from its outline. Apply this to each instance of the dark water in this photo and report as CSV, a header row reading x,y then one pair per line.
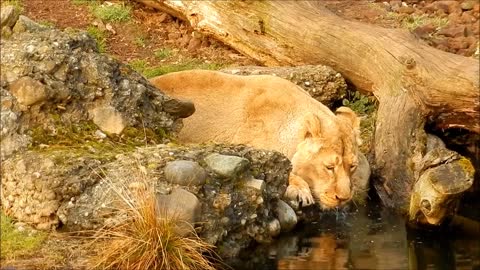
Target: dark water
x,y
367,238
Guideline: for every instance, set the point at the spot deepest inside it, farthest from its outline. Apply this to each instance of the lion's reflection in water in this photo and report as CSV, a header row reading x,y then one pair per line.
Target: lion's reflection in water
x,y
366,239
325,253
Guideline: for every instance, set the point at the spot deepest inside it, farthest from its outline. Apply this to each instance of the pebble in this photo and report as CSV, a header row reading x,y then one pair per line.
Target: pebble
x,y
185,172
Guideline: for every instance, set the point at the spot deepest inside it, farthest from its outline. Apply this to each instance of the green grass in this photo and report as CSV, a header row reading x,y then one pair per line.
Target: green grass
x,y
99,36
140,41
139,65
16,3
15,243
163,53
413,21
85,2
112,13
143,67
47,23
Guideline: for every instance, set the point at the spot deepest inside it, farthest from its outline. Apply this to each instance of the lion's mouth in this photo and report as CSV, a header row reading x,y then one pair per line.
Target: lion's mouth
x,y
329,203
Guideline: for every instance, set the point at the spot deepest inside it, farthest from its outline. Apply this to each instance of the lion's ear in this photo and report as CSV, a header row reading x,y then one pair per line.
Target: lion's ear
x,y
312,126
351,117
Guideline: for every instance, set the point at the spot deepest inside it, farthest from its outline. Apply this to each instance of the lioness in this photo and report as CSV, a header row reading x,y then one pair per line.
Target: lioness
x,y
272,113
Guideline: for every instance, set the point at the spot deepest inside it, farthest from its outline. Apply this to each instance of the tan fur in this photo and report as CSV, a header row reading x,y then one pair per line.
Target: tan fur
x,y
272,113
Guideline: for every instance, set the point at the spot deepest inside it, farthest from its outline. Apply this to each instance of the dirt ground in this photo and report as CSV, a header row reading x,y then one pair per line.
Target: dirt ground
x,y
147,32
159,39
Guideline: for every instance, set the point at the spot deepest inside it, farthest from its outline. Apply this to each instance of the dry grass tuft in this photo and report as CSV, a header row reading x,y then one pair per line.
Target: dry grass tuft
x,y
147,241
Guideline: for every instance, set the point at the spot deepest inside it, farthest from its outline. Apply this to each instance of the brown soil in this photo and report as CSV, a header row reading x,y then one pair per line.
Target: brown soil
x,y
139,38
151,30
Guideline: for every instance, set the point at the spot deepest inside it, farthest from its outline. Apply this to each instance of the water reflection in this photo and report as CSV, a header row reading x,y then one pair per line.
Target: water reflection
x,y
368,238
361,240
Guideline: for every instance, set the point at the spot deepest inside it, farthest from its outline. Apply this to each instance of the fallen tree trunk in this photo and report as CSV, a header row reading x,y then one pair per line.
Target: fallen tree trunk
x,y
412,81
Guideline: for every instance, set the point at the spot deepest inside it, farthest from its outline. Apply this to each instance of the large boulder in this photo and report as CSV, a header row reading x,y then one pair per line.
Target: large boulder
x,y
52,188
321,82
55,80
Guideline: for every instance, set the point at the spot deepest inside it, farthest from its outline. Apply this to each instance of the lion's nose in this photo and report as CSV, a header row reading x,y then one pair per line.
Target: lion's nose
x,y
342,198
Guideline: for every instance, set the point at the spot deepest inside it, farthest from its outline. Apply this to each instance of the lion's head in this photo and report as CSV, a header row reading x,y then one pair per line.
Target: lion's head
x,y
328,155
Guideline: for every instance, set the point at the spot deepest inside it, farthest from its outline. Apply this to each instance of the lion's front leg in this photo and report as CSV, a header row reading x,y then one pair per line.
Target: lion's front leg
x,y
298,190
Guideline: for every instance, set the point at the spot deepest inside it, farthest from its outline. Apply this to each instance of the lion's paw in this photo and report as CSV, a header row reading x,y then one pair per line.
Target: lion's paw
x,y
300,194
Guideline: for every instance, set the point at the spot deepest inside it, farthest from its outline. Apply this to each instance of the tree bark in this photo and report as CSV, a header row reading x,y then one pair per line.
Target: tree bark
x,y
412,81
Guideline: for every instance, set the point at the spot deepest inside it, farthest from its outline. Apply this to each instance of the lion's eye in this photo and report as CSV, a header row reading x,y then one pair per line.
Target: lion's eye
x,y
330,167
353,167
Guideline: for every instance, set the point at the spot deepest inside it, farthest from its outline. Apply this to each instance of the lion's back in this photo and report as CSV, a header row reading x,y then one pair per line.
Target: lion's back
x,y
262,111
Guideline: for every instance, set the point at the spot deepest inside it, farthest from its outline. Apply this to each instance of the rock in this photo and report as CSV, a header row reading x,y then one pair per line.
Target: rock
x,y
256,184
6,32
274,227
222,201
179,108
321,82
406,10
448,7
467,18
184,40
286,216
57,186
8,16
468,5
452,31
100,135
11,139
185,173
226,166
360,180
439,41
99,24
25,24
57,81
395,4
424,31
477,51
476,28
174,36
108,119
194,44
181,205
28,91
458,43
476,9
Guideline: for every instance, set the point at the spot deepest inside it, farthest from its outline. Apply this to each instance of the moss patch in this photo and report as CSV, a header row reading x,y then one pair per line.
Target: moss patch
x,y
80,140
15,243
365,107
467,166
148,71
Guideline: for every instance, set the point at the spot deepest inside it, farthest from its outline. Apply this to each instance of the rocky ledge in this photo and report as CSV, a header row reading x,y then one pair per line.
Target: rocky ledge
x,y
54,81
232,192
